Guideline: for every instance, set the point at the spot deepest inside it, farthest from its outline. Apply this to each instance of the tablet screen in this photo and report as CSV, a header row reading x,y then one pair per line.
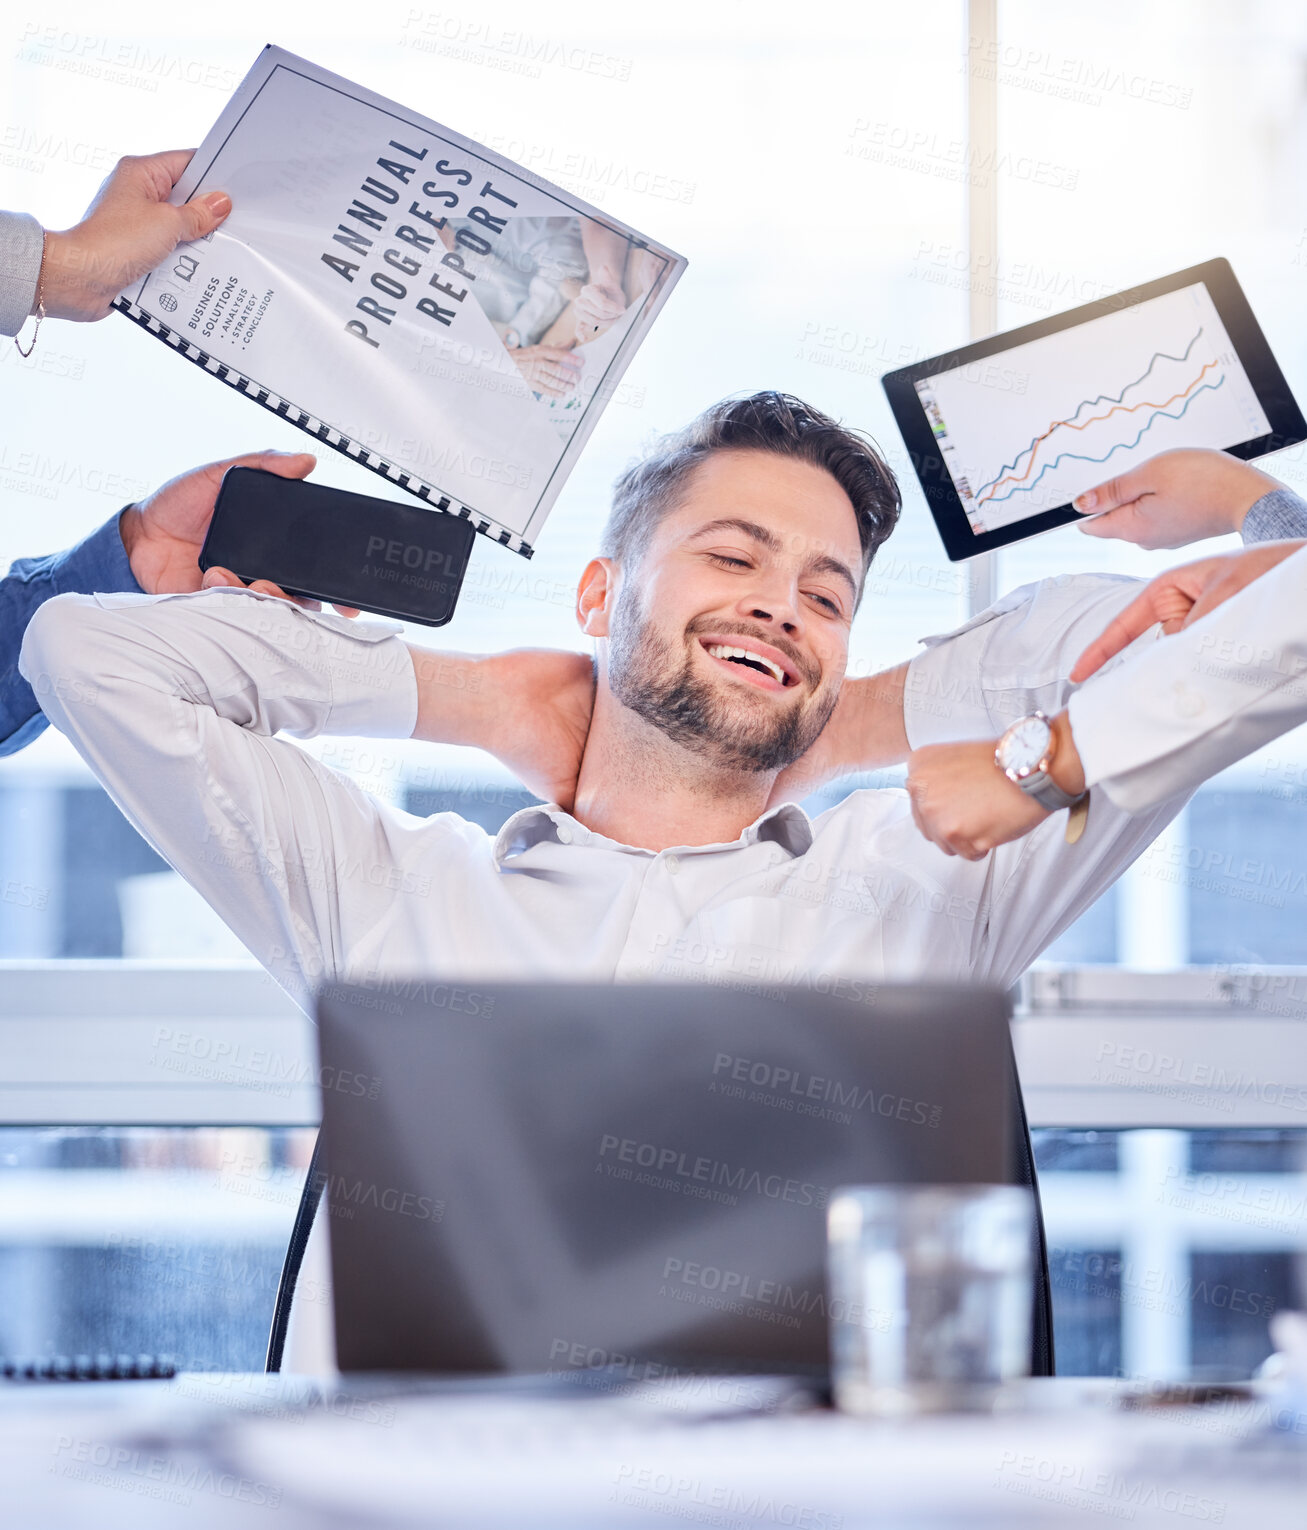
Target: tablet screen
x,y
1006,432
1032,427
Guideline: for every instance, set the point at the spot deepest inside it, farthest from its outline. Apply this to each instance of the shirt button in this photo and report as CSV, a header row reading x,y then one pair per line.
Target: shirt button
x,y
564,834
1188,703
673,864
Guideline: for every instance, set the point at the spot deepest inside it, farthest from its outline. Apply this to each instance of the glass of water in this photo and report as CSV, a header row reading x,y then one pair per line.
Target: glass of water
x,y
930,1295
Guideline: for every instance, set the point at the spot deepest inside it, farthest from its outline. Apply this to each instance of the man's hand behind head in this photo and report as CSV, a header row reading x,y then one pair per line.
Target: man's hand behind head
x,y
530,708
127,230
1175,498
163,535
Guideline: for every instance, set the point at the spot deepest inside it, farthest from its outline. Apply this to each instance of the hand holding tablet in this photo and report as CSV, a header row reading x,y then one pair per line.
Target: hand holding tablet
x,y
1176,498
1006,433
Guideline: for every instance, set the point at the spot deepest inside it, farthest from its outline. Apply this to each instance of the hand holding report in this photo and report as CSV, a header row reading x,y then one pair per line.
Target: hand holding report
x,y
128,229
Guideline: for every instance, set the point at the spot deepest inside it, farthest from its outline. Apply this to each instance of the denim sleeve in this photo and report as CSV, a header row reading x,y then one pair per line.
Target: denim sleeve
x,y
1275,517
98,563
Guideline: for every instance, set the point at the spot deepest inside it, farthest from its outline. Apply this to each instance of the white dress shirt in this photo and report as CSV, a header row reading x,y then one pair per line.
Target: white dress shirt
x,y
1190,704
174,702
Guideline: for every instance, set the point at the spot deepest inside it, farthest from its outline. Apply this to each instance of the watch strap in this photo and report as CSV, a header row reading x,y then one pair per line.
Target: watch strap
x,y
1046,792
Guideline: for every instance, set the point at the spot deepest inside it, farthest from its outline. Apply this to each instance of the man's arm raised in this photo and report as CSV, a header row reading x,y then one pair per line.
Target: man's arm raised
x,y
529,708
153,547
866,732
1229,675
174,702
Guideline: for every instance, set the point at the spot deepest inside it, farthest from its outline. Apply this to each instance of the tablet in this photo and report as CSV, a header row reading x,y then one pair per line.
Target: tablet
x,y
1003,434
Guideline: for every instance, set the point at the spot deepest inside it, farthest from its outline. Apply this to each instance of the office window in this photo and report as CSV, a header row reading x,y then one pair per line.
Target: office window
x,y
1169,1251
145,1241
1246,877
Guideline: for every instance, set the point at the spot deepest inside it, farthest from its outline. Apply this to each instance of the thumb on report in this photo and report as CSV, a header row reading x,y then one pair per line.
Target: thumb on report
x,y
203,214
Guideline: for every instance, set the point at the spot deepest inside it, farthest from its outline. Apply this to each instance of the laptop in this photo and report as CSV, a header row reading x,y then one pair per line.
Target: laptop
x,y
526,1179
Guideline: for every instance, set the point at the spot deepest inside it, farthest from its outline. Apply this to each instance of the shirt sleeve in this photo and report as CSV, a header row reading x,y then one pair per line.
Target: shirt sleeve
x,y
1193,703
98,563
22,245
174,701
1011,660
1276,517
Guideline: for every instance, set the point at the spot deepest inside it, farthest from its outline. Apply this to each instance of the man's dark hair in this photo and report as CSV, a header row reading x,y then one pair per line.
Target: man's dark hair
x,y
765,422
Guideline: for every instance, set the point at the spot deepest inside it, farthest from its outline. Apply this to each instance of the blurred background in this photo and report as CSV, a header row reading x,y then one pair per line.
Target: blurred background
x,y
814,166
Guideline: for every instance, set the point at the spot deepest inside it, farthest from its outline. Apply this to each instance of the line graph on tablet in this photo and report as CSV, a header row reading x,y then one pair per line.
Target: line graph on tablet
x,y
1031,427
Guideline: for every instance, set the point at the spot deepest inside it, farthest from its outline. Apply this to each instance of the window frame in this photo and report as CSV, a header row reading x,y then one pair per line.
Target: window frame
x,y
124,1043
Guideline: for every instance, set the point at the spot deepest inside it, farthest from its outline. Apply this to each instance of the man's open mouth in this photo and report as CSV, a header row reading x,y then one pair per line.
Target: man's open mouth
x,y
758,663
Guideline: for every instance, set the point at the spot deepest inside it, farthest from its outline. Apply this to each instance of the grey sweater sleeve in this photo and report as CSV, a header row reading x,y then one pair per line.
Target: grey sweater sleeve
x,y
22,243
1275,517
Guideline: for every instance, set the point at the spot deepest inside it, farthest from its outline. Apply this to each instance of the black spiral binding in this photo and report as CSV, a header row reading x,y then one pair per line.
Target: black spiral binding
x,y
318,429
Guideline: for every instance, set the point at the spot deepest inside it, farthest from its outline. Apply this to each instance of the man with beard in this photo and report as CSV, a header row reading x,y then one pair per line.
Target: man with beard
x,y
732,565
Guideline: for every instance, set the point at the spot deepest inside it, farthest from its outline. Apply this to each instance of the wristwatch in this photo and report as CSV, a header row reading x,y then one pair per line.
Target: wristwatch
x,y
1024,755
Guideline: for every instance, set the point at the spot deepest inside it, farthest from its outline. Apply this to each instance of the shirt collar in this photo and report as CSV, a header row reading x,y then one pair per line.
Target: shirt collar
x,y
786,825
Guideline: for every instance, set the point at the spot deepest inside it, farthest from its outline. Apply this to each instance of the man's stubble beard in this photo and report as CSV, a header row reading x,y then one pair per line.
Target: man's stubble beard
x,y
646,674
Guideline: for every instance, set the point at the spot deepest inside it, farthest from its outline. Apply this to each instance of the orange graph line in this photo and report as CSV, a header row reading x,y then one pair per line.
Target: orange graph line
x,y
1084,424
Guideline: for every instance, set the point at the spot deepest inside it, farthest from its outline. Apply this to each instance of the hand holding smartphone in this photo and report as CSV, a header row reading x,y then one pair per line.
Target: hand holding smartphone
x,y
378,555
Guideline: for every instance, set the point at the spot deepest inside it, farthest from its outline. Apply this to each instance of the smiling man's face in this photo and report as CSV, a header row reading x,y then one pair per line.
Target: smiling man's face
x,y
731,633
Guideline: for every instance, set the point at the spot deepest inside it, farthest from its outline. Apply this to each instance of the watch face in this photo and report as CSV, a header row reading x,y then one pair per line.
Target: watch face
x,y
1024,744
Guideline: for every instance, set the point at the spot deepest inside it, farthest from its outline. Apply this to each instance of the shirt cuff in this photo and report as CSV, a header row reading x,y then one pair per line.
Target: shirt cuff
x,y
374,688
22,244
98,563
943,703
1276,516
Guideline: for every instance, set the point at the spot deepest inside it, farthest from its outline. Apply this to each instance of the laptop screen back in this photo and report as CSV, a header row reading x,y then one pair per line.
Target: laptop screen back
x,y
521,1175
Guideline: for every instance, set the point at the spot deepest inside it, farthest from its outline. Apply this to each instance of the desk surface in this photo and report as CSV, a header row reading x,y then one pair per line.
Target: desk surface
x,y
236,1450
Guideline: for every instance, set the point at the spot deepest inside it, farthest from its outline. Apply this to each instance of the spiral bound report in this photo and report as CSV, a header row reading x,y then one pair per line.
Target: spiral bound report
x,y
404,295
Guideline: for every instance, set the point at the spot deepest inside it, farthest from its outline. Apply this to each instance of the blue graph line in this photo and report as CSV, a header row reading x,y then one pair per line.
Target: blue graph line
x,y
1103,398
1048,467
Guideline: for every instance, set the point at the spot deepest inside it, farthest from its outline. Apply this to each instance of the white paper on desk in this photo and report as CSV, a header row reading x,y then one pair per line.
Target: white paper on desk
x,y
313,300
600,1466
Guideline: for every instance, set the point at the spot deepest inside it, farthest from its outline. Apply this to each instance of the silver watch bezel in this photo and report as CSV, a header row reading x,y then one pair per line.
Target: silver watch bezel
x,y
1020,774
1035,779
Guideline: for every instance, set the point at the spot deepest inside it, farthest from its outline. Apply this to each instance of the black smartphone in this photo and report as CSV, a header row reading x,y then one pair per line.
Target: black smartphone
x,y
349,549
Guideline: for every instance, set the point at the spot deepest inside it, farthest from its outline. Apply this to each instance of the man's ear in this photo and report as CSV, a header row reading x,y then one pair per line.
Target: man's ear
x,y
594,596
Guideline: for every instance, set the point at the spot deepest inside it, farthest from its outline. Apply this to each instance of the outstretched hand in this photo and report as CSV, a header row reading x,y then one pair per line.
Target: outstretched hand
x,y
129,229
1180,597
163,535
1175,498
